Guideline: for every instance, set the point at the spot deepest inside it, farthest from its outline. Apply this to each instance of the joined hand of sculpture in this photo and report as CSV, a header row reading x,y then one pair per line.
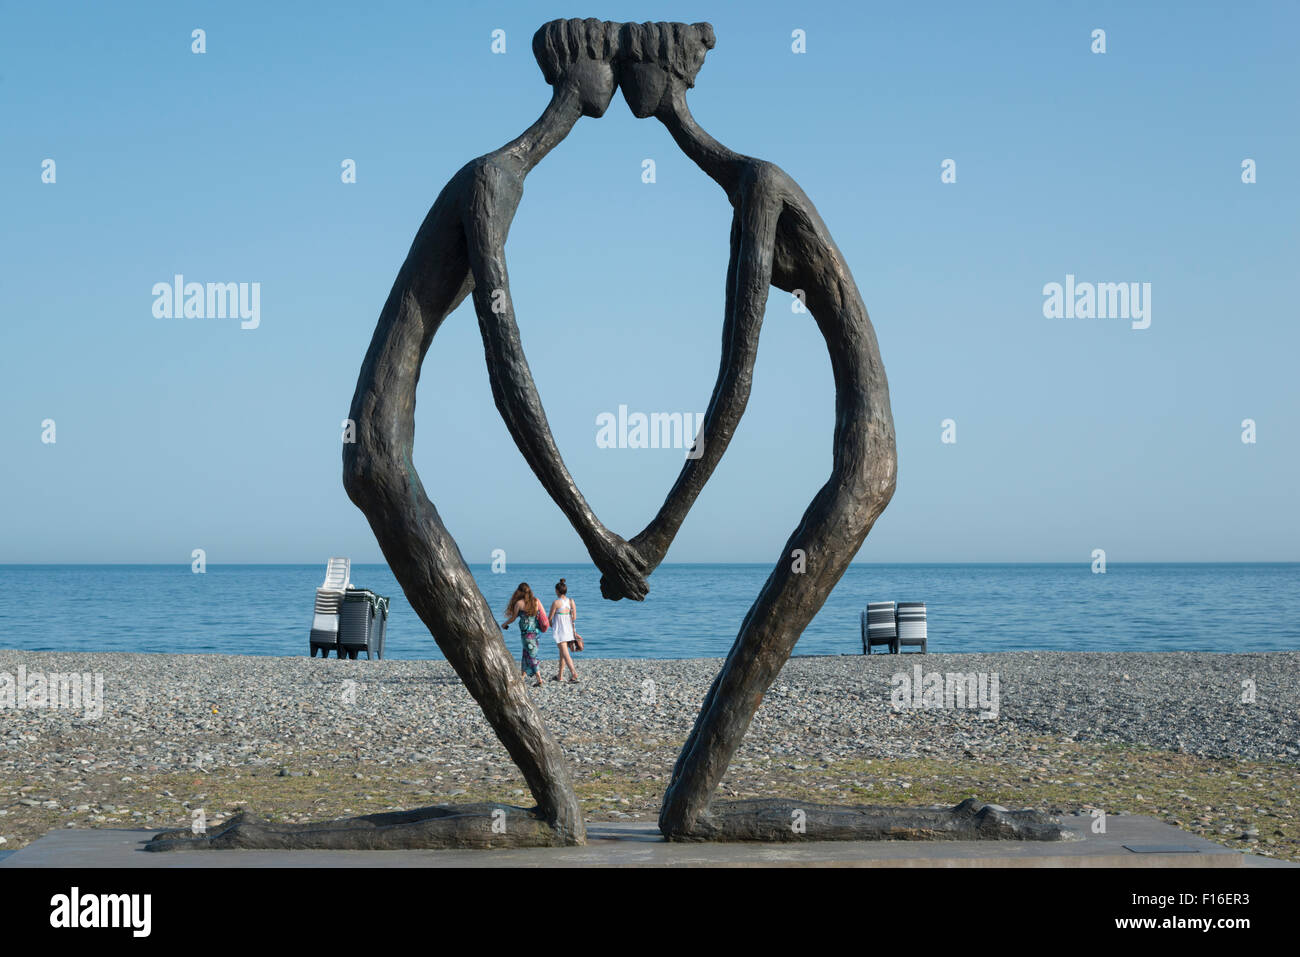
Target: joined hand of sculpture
x,y
623,568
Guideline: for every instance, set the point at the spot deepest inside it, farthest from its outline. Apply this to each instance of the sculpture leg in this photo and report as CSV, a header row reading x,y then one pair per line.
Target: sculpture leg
x,y
438,583
784,607
381,479
831,532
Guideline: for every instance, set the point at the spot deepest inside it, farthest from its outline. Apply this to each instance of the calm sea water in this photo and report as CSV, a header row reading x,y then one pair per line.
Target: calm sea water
x,y
692,610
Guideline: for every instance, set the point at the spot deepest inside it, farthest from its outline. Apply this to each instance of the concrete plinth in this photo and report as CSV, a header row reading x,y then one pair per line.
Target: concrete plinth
x,y
1129,841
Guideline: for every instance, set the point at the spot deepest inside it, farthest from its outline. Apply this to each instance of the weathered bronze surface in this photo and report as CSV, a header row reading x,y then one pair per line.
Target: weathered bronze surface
x,y
774,820
454,825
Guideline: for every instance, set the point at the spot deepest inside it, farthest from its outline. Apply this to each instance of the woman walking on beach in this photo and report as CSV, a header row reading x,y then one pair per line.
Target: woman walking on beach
x,y
564,612
527,607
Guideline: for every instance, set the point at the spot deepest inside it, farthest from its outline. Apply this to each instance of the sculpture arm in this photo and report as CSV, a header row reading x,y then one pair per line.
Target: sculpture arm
x,y
520,406
749,275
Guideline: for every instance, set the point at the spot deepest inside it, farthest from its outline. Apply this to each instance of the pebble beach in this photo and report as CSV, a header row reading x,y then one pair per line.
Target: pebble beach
x,y
1210,742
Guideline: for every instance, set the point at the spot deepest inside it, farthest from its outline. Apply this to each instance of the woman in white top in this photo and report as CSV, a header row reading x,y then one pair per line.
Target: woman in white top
x,y
563,614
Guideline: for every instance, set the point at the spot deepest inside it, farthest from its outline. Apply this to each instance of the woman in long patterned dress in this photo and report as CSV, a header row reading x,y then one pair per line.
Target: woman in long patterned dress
x,y
527,607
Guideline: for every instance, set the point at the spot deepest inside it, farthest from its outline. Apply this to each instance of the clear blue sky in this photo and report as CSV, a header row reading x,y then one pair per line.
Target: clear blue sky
x,y
174,434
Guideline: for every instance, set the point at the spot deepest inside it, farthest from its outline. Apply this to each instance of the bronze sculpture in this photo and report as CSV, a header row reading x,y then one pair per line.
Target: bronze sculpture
x,y
777,239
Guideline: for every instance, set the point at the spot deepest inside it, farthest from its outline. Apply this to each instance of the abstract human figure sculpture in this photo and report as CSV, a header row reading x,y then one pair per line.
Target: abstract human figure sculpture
x,y
777,239
459,251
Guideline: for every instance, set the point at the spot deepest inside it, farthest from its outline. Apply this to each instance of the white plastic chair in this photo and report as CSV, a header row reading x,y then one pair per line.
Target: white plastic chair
x,y
329,601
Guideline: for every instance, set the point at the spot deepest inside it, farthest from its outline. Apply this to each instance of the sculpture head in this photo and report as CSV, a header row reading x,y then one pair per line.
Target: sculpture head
x,y
656,60
579,54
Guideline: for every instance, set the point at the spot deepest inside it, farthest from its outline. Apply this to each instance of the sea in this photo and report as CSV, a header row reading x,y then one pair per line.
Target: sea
x,y
692,611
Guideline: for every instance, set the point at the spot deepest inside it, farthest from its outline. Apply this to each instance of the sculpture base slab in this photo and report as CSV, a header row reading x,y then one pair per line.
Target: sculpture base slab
x,y
489,826
639,844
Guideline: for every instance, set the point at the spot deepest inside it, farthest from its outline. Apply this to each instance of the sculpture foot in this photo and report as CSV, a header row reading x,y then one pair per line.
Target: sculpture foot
x,y
779,819
428,828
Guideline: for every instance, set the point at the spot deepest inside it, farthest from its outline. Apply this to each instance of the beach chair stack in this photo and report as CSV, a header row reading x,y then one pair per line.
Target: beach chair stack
x,y
894,625
363,622
329,604
879,627
911,624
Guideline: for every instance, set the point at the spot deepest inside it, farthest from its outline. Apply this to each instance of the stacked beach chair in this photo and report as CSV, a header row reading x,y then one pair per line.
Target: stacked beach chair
x,y
363,622
911,624
894,625
879,627
329,604
347,620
